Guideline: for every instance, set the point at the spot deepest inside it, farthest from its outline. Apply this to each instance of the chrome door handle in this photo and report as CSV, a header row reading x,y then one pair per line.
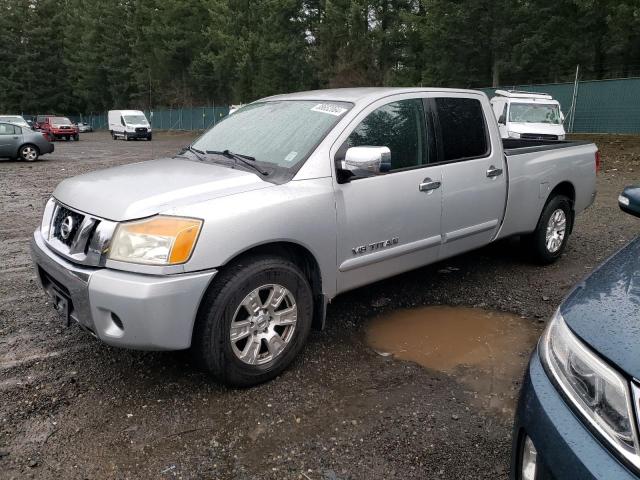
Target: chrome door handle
x,y
428,185
494,172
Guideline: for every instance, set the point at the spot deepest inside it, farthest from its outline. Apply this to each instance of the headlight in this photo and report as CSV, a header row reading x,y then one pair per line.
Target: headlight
x,y
596,390
514,135
561,137
159,240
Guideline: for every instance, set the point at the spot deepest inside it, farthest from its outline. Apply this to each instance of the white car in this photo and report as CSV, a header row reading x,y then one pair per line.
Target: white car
x,y
16,120
84,127
528,115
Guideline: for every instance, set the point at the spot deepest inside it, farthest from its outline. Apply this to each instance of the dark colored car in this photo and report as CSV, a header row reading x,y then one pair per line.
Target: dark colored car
x,y
21,142
578,413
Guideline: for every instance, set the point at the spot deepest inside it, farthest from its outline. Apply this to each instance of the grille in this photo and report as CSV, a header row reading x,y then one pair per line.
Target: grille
x,y
141,130
538,136
62,213
65,128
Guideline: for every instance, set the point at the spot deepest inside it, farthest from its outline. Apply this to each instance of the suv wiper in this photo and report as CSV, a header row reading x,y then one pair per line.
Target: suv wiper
x,y
246,159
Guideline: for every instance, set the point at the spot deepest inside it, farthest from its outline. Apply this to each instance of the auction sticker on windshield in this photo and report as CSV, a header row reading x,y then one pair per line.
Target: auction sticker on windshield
x,y
329,108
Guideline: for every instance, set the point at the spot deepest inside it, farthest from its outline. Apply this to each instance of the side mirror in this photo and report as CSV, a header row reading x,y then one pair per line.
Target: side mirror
x,y
367,159
502,120
629,201
561,117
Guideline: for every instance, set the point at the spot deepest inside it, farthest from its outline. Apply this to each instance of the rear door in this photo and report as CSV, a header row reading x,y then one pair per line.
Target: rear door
x,y
10,138
389,222
474,181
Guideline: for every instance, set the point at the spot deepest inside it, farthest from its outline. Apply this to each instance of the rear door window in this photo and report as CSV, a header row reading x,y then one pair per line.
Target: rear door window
x,y
463,130
6,129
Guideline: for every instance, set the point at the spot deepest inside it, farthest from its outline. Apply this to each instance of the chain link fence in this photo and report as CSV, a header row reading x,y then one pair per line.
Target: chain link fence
x,y
602,106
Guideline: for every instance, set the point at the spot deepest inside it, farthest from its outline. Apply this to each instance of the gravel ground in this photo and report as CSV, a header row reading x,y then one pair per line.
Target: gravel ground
x,y
71,407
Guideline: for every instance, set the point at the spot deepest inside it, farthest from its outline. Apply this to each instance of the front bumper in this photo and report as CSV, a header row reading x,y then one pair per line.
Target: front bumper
x,y
156,312
139,134
566,447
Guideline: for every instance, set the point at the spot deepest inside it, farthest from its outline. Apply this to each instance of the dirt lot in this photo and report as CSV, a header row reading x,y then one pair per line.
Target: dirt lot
x,y
71,407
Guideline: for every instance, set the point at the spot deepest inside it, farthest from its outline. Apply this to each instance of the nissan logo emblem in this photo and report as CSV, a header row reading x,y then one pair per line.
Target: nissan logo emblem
x,y
66,227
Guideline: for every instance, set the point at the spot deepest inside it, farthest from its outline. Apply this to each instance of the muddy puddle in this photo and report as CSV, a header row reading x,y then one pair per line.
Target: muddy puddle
x,y
486,351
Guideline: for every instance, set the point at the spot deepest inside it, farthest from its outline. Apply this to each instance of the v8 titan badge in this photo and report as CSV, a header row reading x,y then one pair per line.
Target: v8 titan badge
x,y
372,247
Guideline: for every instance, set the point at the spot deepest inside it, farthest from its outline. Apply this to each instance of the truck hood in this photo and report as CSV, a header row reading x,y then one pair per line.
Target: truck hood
x,y
604,310
142,189
543,128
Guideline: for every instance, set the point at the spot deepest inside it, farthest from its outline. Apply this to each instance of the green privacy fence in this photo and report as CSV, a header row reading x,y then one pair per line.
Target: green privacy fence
x,y
602,106
193,118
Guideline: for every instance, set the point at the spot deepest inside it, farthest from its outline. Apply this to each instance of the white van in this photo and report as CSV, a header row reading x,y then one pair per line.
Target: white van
x,y
128,124
528,115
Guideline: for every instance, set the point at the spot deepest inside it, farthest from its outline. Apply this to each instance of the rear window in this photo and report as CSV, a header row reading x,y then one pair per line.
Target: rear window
x,y
463,129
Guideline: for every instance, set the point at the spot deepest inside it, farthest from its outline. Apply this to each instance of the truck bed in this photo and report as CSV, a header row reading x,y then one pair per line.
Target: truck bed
x,y
535,169
516,146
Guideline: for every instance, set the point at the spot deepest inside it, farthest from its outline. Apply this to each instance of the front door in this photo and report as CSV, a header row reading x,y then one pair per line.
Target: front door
x,y
474,180
389,222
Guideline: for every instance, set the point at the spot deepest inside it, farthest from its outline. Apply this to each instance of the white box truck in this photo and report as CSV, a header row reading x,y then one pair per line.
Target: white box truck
x,y
129,124
528,115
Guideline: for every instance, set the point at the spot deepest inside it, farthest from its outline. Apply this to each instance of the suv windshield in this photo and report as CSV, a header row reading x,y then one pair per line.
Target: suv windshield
x,y
534,113
60,120
136,119
281,133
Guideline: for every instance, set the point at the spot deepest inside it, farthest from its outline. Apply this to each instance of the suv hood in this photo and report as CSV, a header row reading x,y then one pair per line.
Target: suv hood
x,y
142,189
604,310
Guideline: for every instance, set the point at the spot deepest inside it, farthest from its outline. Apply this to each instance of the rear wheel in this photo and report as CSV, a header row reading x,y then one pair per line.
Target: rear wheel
x,y
548,241
29,153
253,321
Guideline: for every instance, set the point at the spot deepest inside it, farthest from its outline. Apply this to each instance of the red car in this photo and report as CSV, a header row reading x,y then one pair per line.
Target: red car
x,y
57,127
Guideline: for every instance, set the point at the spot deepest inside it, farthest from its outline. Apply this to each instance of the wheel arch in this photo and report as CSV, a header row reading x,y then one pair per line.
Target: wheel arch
x,y
567,189
304,259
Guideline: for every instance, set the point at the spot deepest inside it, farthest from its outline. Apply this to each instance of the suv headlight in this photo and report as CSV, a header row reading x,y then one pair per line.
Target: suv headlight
x,y
597,391
159,240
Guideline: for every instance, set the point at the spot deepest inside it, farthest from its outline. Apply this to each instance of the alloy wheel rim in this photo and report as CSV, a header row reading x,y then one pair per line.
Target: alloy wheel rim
x,y
29,153
263,324
556,229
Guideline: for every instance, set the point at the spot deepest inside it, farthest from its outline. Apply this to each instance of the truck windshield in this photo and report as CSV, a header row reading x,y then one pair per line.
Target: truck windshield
x,y
534,113
135,119
60,120
281,133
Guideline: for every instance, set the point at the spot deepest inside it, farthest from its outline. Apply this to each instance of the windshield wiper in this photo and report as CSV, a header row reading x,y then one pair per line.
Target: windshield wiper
x,y
246,159
198,153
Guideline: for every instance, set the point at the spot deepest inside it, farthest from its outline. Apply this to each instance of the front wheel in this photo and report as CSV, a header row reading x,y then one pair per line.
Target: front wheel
x,y
253,321
76,137
548,241
29,153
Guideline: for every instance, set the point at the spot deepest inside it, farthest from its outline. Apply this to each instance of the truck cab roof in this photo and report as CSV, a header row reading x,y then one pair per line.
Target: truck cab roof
x,y
362,94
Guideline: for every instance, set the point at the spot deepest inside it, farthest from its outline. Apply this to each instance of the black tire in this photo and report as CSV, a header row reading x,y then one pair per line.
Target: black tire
x,y
76,137
113,135
29,153
212,345
537,241
149,138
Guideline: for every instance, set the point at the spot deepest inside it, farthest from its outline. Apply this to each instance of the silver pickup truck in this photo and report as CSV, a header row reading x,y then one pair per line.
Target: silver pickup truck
x,y
235,246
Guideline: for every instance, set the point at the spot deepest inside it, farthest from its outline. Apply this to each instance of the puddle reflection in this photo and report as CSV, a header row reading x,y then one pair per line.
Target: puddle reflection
x,y
486,351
